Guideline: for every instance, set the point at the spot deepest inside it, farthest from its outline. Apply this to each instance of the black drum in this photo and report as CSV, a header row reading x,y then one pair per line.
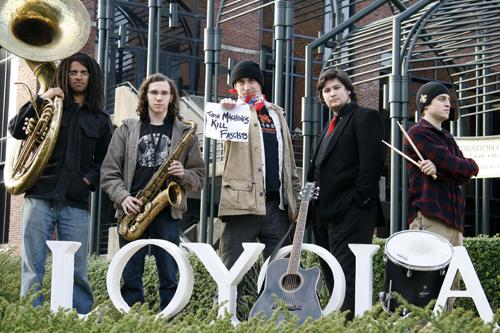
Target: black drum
x,y
415,266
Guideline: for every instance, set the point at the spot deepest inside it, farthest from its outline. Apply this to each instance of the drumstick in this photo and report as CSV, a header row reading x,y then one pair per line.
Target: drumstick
x,y
410,141
412,144
405,156
401,153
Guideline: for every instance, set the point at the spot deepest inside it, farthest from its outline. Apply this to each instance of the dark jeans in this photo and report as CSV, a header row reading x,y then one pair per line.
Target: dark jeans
x,y
356,227
238,229
162,227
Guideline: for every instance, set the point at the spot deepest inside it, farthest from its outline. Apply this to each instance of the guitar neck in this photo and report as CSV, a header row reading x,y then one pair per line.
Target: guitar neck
x,y
298,238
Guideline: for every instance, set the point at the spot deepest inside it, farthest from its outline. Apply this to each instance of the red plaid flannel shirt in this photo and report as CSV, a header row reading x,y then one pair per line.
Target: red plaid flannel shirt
x,y
441,198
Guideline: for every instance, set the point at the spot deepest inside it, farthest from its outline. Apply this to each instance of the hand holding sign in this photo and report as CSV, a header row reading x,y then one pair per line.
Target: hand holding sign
x,y
224,124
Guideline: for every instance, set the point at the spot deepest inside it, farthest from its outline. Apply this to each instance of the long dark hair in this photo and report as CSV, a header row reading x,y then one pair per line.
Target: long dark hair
x,y
95,92
332,74
142,104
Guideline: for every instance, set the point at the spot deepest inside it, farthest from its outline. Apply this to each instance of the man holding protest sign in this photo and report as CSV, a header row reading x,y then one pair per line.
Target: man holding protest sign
x,y
260,184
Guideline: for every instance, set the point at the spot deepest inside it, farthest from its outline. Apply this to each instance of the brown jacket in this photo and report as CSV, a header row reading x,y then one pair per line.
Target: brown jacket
x,y
242,189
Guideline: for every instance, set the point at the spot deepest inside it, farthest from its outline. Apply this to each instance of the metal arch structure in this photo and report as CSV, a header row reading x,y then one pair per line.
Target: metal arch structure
x,y
141,37
475,83
338,40
456,42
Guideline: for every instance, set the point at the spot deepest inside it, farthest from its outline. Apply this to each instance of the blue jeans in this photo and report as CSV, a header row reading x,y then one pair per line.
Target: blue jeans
x,y
40,218
163,227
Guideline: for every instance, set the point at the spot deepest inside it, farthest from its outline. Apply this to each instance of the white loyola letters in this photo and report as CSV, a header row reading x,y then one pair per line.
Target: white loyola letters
x,y
460,262
186,280
364,276
227,280
63,267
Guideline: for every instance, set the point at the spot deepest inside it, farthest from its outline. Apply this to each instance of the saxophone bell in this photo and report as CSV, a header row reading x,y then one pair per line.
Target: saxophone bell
x,y
174,194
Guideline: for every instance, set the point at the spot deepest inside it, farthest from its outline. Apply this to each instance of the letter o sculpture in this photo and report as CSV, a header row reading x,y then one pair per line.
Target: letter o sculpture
x,y
186,277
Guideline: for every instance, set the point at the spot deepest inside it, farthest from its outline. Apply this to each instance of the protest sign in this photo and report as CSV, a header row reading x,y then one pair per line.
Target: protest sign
x,y
224,124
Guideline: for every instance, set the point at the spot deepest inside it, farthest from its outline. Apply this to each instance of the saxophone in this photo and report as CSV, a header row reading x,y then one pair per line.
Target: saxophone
x,y
153,198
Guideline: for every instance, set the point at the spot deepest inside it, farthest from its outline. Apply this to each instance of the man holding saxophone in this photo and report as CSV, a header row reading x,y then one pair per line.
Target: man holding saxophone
x,y
60,197
139,151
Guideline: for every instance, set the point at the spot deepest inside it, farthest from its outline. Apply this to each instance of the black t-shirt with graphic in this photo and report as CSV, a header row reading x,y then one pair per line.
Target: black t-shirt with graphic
x,y
271,151
152,150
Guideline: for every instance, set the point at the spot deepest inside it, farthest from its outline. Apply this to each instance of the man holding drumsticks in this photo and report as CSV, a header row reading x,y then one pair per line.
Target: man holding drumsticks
x,y
436,202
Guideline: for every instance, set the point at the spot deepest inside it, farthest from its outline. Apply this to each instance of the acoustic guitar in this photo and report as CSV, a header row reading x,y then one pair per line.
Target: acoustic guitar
x,y
287,282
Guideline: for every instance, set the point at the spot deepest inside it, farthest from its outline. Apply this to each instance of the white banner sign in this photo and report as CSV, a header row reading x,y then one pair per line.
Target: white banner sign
x,y
485,150
224,124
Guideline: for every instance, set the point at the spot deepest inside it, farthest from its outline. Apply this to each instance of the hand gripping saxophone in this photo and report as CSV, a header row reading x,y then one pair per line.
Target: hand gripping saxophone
x,y
153,198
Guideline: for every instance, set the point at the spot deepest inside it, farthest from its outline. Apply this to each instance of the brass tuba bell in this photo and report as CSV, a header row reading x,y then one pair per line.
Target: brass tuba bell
x,y
41,32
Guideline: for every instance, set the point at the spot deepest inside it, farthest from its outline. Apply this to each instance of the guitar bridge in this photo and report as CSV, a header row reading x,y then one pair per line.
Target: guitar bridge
x,y
290,307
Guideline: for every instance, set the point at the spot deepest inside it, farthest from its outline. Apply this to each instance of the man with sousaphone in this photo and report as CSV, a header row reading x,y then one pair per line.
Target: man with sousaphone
x,y
63,134
151,162
59,199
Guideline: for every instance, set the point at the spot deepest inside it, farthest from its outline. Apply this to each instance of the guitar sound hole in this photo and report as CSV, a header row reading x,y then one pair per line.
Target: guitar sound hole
x,y
290,282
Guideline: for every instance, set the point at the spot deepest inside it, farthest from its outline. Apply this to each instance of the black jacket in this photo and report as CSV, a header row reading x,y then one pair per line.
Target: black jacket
x,y
352,163
81,145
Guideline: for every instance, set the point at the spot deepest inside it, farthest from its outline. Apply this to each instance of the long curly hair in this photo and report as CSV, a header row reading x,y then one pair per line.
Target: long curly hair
x,y
95,93
142,104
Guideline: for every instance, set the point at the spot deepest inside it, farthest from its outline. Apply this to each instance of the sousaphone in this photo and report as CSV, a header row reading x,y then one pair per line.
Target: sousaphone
x,y
40,32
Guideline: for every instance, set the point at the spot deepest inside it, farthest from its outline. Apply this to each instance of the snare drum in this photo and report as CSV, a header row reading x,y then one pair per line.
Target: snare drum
x,y
415,266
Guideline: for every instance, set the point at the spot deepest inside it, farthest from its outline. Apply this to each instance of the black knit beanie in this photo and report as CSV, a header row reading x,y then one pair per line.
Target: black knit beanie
x,y
428,92
247,68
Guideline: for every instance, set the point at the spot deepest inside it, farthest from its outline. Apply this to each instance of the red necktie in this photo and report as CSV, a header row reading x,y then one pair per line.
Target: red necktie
x,y
331,127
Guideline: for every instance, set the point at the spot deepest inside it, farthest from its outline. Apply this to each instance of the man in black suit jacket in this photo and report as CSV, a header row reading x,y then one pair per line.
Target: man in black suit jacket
x,y
347,165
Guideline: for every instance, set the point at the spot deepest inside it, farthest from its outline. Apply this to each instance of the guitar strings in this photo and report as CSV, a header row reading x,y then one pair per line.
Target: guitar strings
x,y
292,281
